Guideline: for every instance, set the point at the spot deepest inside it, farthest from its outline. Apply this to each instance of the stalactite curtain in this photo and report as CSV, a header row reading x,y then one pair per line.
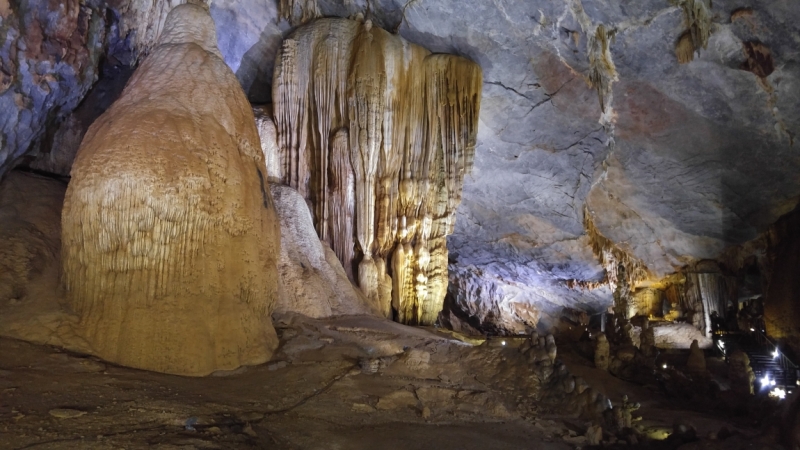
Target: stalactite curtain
x,y
378,133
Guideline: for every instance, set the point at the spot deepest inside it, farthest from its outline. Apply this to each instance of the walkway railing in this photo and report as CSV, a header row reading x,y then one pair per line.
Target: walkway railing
x,y
783,360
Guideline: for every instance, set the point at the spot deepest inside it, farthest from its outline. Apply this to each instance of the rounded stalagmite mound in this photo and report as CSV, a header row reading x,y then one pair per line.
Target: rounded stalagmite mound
x,y
169,233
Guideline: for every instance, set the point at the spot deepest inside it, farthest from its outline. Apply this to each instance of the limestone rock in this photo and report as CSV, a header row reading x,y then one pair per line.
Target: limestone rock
x,y
48,61
314,283
712,134
169,232
594,435
740,373
65,413
648,340
401,398
626,353
679,335
30,246
416,360
269,142
601,352
696,364
29,231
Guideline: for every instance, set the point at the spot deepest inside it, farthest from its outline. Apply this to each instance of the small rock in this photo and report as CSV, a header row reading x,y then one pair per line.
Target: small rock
x,y
214,430
369,365
575,440
248,430
594,435
252,416
500,411
397,399
89,366
65,413
277,365
626,353
362,407
417,359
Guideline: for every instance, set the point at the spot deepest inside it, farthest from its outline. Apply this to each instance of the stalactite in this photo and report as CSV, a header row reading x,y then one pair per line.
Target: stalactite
x,y
308,10
342,201
602,71
695,304
269,143
684,48
611,256
410,119
698,28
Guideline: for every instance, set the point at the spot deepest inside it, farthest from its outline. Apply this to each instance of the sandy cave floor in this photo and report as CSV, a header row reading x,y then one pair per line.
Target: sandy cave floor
x,y
314,394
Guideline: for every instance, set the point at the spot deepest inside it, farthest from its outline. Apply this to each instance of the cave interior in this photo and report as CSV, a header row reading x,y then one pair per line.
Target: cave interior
x,y
323,224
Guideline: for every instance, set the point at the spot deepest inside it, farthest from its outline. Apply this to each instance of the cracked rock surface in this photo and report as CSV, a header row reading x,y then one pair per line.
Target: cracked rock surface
x,y
685,161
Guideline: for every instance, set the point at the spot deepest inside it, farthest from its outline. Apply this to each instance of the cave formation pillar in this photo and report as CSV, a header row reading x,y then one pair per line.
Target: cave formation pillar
x,y
411,121
169,234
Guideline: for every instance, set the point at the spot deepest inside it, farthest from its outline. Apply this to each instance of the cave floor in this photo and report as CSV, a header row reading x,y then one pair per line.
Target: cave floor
x,y
314,394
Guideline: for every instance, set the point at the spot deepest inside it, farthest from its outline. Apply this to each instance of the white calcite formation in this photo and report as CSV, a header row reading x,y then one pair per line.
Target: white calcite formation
x,y
377,134
169,234
312,279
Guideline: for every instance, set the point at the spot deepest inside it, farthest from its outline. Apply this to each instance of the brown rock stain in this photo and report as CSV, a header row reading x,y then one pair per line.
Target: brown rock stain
x,y
643,111
570,93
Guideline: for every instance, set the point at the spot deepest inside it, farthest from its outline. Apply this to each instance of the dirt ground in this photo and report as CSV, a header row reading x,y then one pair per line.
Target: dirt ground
x,y
347,383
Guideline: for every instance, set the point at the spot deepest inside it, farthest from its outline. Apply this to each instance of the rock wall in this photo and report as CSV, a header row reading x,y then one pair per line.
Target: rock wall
x,y
49,53
169,233
378,134
31,298
782,304
30,208
690,150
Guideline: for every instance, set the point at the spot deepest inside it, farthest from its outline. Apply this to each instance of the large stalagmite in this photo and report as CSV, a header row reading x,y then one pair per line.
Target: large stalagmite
x,y
377,134
170,237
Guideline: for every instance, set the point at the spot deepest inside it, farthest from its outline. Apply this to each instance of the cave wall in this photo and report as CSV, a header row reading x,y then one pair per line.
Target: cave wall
x,y
782,302
682,158
49,56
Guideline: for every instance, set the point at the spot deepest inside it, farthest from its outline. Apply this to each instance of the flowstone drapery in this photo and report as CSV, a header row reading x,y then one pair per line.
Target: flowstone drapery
x,y
377,134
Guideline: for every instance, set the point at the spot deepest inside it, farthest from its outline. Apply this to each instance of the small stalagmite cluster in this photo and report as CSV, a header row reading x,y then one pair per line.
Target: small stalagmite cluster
x,y
169,233
377,134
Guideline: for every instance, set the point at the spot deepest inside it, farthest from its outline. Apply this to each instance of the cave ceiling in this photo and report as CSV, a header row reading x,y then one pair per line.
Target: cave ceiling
x,y
679,163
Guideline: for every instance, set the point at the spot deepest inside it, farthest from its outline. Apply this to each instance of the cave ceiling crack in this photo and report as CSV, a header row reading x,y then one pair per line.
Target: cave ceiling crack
x,y
579,140
403,15
634,23
499,83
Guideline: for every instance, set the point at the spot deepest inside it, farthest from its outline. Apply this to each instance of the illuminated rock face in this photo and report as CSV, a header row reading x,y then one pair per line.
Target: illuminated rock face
x,y
377,134
169,234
